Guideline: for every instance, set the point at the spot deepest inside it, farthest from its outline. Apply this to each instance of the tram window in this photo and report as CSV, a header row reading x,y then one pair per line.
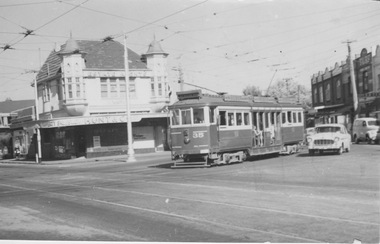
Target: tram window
x,y
212,114
198,116
246,119
254,119
261,117
294,117
289,117
175,117
272,118
299,117
222,118
283,118
266,121
186,117
239,119
231,119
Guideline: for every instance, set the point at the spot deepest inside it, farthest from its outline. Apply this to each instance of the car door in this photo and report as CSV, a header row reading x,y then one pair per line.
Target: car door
x,y
362,127
346,137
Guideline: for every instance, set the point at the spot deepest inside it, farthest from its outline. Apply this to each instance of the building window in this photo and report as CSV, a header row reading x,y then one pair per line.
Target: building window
x,y
77,86
321,94
160,89
113,88
315,95
365,81
46,92
338,89
328,92
70,87
152,90
103,87
116,87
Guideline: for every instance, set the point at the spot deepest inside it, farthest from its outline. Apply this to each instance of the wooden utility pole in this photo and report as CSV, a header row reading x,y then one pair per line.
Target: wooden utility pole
x,y
131,152
353,80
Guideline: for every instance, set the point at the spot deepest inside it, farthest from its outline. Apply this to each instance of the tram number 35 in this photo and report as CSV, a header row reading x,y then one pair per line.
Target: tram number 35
x,y
198,134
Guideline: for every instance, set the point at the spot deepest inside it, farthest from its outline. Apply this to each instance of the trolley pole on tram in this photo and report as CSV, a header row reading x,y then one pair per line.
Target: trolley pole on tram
x,y
131,152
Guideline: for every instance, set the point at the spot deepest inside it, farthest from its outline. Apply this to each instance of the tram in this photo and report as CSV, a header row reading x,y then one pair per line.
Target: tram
x,y
223,129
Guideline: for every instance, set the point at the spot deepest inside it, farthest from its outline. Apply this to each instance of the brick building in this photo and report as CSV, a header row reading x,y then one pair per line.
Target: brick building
x,y
332,94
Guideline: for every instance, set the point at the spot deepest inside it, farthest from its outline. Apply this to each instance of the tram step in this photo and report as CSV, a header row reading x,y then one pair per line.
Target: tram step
x,y
190,165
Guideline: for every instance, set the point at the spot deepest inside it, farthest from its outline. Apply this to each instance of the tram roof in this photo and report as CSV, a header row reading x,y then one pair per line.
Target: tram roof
x,y
197,98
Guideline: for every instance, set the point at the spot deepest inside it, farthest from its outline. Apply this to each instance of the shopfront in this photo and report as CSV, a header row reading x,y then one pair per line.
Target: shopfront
x,y
94,136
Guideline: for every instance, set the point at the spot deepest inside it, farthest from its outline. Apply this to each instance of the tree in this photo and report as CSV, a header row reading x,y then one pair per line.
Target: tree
x,y
289,88
252,90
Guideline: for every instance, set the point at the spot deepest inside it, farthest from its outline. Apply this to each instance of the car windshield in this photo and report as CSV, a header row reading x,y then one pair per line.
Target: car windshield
x,y
327,129
374,122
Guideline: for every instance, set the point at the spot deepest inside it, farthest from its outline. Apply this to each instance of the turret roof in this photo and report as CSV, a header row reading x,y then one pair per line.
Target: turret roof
x,y
155,48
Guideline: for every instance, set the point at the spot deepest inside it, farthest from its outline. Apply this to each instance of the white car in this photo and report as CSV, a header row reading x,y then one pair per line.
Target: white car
x,y
329,138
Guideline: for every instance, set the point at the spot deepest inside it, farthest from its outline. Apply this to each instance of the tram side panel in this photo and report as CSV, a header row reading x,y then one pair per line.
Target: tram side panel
x,y
235,139
190,141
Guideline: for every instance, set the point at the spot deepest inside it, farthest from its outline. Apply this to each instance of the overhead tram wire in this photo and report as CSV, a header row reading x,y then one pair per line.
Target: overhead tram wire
x,y
23,4
112,37
251,39
159,19
50,21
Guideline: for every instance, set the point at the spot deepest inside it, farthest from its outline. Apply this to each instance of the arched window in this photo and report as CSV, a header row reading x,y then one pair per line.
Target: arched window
x,y
321,94
328,92
315,95
338,89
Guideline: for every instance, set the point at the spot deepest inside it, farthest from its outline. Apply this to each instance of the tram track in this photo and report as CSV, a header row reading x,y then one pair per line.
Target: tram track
x,y
73,186
188,218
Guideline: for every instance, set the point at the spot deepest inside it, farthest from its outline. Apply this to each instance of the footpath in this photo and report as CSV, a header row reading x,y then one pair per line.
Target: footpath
x,y
139,158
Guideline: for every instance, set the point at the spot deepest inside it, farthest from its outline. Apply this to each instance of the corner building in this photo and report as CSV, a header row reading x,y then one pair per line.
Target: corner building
x,y
82,100
332,92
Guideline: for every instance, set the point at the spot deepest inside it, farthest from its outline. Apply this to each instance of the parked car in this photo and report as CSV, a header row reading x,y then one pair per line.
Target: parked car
x,y
365,129
329,138
308,132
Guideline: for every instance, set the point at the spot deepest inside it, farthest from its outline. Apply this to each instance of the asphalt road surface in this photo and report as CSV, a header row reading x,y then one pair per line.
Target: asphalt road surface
x,y
296,198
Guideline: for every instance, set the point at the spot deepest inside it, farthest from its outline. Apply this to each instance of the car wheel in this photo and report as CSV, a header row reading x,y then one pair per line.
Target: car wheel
x,y
368,140
311,152
348,148
340,150
356,139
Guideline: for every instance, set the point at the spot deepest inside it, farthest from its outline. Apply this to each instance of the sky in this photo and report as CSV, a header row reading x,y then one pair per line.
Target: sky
x,y
222,45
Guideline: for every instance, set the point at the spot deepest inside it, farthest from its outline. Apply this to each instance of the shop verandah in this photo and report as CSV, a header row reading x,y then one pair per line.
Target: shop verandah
x,y
93,136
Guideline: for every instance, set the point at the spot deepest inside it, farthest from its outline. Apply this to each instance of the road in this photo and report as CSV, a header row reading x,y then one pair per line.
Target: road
x,y
296,198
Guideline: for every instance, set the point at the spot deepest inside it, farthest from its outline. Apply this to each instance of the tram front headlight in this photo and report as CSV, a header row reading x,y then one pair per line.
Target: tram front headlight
x,y
186,138
309,140
336,139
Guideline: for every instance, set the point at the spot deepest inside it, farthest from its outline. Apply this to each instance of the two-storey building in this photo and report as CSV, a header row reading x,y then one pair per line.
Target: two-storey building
x,y
332,93
82,100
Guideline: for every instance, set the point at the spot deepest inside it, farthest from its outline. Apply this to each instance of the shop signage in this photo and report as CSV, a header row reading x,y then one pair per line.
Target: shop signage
x,y
365,60
85,121
132,73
